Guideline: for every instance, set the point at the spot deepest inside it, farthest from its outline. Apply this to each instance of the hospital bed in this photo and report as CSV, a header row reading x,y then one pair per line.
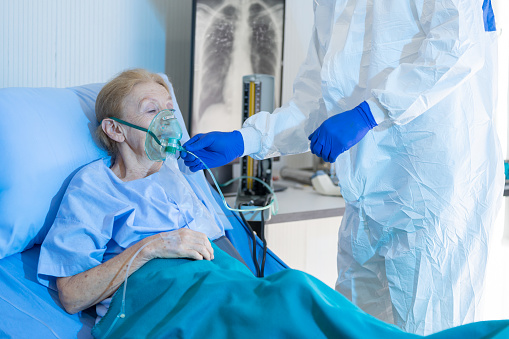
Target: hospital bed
x,y
46,135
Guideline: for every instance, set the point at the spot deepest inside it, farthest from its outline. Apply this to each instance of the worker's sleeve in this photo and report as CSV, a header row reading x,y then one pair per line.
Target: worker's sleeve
x,y
450,54
286,130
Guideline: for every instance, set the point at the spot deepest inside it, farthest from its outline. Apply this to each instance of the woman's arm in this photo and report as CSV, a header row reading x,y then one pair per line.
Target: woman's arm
x,y
88,288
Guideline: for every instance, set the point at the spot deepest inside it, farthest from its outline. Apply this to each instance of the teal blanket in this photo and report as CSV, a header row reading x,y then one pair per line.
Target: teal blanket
x,y
179,298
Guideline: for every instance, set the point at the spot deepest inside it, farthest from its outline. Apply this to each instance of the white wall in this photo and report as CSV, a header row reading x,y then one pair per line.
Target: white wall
x,y
65,43
501,9
497,277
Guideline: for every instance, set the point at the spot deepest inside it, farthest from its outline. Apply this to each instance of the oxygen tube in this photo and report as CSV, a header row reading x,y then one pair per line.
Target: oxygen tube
x,y
122,313
273,202
259,268
163,139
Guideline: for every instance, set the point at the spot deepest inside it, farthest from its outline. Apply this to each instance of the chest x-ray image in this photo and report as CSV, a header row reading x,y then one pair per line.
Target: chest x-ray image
x,y
233,38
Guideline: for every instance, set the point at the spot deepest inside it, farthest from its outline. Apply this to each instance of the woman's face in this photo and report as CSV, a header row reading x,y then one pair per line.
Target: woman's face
x,y
140,107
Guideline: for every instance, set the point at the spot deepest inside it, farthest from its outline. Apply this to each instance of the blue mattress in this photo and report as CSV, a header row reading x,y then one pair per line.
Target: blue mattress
x,y
30,193
30,310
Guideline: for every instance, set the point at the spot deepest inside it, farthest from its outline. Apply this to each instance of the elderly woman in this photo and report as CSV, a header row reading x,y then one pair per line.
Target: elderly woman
x,y
128,210
114,206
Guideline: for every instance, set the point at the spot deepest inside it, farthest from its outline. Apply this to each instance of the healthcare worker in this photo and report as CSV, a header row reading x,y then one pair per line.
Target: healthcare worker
x,y
400,95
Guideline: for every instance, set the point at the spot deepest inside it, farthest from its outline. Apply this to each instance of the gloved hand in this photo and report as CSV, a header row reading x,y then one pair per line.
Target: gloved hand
x,y
214,148
340,132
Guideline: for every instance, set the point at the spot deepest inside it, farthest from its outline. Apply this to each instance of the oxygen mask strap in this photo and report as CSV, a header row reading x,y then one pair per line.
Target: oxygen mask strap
x,y
138,128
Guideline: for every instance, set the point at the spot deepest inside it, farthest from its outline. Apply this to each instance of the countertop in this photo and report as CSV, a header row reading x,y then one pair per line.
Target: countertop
x,y
301,202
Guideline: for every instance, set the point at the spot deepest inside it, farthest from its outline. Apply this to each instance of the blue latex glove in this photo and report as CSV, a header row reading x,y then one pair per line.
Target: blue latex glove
x,y
340,132
214,148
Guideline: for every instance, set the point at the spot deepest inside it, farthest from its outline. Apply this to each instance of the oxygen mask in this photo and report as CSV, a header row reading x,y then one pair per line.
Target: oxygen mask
x,y
163,135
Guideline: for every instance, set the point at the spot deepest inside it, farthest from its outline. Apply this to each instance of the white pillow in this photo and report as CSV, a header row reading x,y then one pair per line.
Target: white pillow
x,y
45,136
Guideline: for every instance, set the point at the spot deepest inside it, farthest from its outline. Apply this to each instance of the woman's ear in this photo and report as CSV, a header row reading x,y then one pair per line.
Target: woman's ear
x,y
113,130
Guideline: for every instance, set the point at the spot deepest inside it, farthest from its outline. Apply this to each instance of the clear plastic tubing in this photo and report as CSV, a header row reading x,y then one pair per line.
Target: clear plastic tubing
x,y
273,201
122,314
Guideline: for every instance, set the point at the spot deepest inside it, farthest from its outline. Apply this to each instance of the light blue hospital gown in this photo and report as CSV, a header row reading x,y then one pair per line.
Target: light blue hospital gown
x,y
100,216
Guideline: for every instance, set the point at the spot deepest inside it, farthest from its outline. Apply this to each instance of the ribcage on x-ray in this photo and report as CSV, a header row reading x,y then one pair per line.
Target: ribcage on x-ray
x,y
228,22
218,49
263,40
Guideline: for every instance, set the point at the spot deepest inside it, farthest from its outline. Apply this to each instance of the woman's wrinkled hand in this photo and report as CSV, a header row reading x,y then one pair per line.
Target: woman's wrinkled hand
x,y
181,243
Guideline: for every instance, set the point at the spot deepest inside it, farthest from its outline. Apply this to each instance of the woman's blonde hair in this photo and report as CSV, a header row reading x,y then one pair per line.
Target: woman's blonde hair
x,y
111,98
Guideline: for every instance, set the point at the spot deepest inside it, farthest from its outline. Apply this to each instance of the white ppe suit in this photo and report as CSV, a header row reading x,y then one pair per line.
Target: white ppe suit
x,y
422,189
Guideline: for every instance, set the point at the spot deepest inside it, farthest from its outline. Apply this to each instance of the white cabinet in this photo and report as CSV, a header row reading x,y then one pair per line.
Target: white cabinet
x,y
307,245
304,234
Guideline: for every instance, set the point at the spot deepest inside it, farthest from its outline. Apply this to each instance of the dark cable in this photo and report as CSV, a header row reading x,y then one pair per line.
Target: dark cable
x,y
262,236
253,237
